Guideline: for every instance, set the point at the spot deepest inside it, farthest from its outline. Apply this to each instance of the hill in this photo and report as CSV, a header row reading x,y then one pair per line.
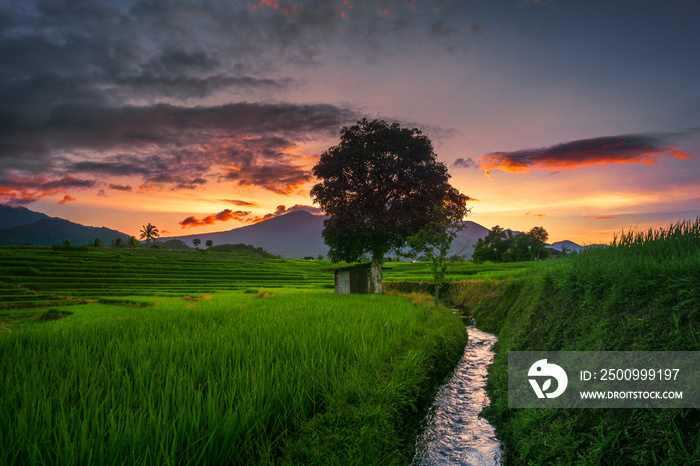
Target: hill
x,y
467,238
569,245
293,235
11,217
298,234
50,230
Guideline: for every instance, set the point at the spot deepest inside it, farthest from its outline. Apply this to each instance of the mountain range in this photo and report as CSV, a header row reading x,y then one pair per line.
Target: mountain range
x,y
293,235
19,226
298,234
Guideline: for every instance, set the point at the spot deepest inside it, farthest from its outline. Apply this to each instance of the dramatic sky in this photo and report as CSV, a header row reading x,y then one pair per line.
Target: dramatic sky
x,y
199,116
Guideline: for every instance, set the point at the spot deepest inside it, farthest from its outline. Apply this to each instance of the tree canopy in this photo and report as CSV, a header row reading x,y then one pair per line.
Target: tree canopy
x,y
503,246
379,186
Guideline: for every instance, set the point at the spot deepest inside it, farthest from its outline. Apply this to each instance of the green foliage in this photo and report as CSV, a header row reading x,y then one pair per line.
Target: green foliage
x,y
421,272
149,232
279,376
378,186
434,241
174,244
196,242
240,248
504,246
38,277
118,243
640,294
132,242
66,246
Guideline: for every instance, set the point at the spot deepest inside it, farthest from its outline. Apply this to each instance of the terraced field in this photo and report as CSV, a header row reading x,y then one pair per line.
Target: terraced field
x,y
33,277
189,357
458,271
36,277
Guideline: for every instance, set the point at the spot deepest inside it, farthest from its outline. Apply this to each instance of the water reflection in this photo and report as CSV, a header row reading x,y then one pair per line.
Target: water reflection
x,y
453,431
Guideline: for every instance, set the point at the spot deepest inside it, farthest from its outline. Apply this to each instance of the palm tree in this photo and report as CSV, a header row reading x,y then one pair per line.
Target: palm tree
x,y
149,232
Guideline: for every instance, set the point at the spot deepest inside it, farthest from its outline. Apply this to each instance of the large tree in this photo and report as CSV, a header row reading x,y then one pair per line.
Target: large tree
x,y
378,186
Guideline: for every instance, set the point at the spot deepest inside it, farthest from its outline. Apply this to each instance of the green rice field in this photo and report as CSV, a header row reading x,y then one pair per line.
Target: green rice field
x,y
166,357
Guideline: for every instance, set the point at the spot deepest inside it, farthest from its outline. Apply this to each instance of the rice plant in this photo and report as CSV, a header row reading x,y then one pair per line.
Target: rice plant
x,y
233,378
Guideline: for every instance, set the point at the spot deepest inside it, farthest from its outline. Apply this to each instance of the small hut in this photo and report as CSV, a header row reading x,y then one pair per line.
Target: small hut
x,y
352,279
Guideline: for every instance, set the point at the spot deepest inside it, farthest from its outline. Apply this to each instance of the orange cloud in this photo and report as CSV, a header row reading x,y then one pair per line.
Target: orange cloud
x,y
25,191
536,215
65,199
223,216
570,155
599,218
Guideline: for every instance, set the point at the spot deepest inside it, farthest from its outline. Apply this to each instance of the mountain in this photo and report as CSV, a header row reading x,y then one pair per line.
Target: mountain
x,y
463,244
11,217
298,234
569,245
293,235
20,226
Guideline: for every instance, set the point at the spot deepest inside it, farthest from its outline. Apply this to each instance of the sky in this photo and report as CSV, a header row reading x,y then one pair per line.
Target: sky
x,y
198,116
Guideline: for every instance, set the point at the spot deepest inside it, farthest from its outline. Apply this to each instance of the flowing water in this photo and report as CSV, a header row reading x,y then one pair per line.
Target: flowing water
x,y
453,431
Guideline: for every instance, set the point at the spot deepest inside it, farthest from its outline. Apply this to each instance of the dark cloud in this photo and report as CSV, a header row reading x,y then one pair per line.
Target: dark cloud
x,y
240,203
465,163
163,144
280,178
125,88
184,87
223,216
120,187
575,154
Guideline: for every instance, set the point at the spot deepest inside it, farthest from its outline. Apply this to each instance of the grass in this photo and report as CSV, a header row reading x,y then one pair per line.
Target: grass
x,y
36,277
118,357
640,294
458,271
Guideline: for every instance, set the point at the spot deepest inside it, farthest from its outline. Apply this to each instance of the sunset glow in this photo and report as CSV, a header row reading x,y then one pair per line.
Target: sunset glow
x,y
208,116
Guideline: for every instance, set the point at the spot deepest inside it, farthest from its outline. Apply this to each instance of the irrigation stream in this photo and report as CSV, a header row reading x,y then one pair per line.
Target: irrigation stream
x,y
453,432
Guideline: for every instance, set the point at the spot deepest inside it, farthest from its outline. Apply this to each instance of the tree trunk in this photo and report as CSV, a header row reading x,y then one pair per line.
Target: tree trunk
x,y
375,281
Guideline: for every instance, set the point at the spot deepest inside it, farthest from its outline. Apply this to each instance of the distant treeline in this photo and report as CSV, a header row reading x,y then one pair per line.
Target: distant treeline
x,y
240,247
173,244
502,245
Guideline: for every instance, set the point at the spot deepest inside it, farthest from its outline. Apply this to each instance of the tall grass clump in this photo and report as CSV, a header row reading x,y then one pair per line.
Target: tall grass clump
x,y
641,293
281,376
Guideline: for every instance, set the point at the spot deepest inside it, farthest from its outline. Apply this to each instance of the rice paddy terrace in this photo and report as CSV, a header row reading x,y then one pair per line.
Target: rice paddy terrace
x,y
33,277
37,277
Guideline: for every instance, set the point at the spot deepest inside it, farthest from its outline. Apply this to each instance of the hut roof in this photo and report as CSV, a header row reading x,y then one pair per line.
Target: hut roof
x,y
351,267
